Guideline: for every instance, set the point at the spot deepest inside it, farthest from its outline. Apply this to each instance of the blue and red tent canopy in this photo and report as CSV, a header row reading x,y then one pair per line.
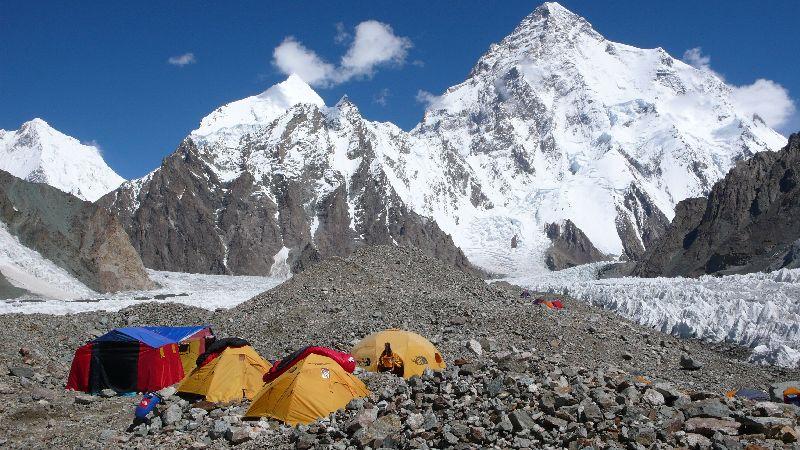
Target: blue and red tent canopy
x,y
131,359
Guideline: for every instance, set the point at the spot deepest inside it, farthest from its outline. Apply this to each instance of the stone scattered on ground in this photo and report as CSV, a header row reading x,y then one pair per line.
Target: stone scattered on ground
x,y
518,376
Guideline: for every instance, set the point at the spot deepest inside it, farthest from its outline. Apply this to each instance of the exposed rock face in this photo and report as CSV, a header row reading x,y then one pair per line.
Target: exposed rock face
x,y
750,222
305,187
639,222
80,237
570,247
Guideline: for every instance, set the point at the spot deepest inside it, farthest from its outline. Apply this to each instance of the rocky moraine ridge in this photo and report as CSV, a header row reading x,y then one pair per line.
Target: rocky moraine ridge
x,y
518,376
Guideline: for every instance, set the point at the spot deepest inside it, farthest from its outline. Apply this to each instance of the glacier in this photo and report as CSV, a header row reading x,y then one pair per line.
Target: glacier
x,y
759,310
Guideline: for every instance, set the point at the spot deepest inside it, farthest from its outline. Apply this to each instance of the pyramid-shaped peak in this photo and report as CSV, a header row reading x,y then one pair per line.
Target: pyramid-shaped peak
x,y
552,16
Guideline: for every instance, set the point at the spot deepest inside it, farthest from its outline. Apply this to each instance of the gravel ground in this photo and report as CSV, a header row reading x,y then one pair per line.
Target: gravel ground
x,y
337,302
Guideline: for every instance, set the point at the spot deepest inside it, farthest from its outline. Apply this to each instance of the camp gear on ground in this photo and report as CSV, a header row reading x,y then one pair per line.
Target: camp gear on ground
x,y
143,408
308,390
217,347
147,404
749,394
551,304
410,350
345,360
792,396
525,294
133,359
232,375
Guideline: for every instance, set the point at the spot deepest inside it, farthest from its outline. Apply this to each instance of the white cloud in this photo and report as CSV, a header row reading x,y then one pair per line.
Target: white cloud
x,y
695,57
342,34
292,57
382,97
426,98
374,45
182,60
93,143
765,98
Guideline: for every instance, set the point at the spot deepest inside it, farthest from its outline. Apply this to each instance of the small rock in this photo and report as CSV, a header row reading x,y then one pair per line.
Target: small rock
x,y
689,363
107,435
108,393
707,426
697,441
653,397
22,372
85,399
172,414
167,392
521,420
237,435
219,429
475,347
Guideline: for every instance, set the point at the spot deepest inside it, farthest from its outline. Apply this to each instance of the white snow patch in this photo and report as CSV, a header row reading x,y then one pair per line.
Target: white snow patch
x,y
203,291
280,268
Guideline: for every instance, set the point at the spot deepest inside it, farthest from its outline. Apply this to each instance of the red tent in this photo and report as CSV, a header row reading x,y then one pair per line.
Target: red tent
x,y
126,360
552,304
345,360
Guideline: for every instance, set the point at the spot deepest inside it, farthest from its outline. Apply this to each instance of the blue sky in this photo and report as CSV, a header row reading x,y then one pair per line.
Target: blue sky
x,y
99,71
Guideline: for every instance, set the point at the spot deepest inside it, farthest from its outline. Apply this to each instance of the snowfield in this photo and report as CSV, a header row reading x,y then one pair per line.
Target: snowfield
x,y
760,310
203,291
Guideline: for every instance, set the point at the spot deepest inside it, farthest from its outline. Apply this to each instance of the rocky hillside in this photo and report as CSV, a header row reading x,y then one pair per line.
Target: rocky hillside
x,y
299,186
750,222
39,153
78,236
519,376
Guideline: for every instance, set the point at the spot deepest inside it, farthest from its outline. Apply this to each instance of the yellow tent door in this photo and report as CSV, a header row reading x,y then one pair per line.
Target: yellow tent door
x,y
415,352
311,389
233,375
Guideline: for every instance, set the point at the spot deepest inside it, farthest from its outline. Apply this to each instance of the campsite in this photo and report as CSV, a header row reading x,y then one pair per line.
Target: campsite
x,y
515,374
555,225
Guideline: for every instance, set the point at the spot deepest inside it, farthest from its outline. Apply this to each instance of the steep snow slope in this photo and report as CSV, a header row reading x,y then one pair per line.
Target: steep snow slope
x,y
556,122
29,270
39,153
759,310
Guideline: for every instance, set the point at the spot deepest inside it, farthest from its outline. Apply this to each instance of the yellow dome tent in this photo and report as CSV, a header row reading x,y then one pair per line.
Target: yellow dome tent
x,y
233,375
313,388
401,352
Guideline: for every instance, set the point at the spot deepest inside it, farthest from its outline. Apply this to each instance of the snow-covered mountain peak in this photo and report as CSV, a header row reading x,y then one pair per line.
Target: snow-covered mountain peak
x,y
234,119
38,152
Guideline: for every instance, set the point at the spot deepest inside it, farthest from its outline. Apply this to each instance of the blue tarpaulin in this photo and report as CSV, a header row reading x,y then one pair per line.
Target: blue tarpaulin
x,y
153,336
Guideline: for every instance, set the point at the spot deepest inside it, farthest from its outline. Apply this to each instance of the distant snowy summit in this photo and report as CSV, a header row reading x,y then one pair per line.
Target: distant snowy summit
x,y
555,128
39,153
